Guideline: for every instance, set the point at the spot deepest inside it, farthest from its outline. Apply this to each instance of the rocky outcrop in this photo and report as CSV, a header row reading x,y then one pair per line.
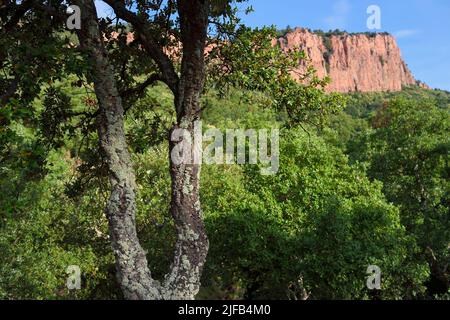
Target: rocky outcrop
x,y
354,62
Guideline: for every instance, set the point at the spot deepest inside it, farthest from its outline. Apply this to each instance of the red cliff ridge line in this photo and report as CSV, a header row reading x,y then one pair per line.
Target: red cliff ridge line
x,y
354,62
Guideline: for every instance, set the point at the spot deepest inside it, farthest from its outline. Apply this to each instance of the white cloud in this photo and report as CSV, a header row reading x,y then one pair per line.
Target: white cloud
x,y
338,20
405,33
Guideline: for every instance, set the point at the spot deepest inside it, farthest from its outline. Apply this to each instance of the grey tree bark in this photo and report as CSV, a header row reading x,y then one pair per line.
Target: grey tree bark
x,y
192,244
133,274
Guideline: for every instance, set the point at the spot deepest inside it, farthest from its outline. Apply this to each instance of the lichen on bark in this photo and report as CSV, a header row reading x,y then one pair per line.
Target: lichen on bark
x,y
133,273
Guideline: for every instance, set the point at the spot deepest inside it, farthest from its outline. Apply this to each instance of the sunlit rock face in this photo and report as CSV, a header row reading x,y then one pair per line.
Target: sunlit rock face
x,y
354,62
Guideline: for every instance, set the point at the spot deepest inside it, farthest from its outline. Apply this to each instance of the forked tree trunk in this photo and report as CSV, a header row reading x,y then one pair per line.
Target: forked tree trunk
x,y
133,274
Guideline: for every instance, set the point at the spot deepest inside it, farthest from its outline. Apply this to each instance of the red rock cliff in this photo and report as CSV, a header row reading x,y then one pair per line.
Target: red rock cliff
x,y
354,62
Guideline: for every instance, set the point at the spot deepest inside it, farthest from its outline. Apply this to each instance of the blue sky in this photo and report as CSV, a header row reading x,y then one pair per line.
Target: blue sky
x,y
422,27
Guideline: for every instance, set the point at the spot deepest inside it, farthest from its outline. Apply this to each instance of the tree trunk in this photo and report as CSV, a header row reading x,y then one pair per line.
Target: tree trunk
x,y
191,248
133,273
192,243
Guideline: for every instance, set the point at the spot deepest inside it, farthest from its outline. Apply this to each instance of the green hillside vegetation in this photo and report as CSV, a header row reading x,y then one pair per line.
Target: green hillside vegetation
x,y
370,187
90,177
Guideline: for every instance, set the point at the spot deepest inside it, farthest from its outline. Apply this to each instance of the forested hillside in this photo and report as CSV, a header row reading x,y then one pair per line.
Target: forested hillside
x,y
369,187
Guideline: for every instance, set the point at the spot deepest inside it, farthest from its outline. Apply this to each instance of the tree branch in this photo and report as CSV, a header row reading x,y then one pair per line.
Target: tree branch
x,y
139,89
148,41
